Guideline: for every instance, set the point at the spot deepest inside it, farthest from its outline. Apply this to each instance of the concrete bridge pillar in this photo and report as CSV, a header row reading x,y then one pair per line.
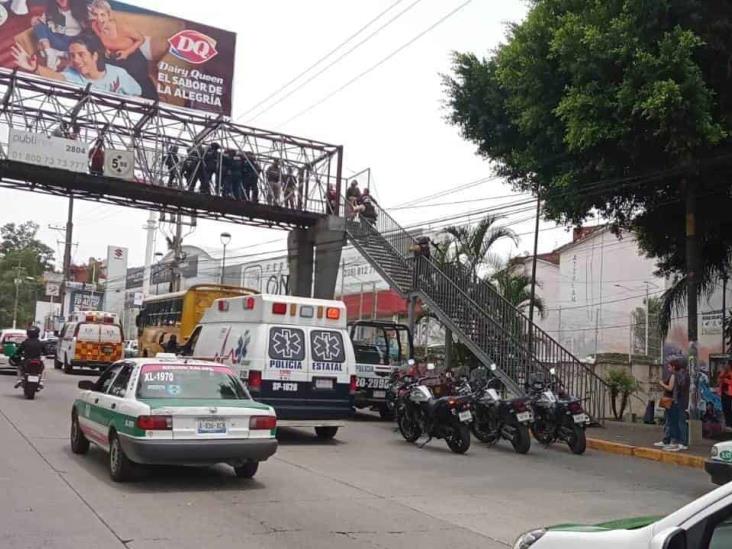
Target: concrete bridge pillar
x,y
314,257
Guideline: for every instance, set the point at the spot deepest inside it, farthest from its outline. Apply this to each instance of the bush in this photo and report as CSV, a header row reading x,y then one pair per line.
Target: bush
x,y
622,384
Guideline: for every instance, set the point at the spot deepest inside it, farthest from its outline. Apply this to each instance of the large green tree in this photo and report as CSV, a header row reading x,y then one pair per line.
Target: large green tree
x,y
608,108
23,258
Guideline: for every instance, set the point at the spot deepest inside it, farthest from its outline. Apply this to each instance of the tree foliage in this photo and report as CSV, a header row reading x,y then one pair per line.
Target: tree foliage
x,y
604,107
514,285
25,258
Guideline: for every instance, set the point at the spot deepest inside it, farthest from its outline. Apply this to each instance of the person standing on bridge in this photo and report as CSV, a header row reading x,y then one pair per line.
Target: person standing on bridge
x,y
290,188
123,46
86,66
274,183
250,177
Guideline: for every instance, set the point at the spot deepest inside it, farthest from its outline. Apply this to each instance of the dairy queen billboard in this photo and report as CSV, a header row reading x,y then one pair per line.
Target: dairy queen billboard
x,y
138,52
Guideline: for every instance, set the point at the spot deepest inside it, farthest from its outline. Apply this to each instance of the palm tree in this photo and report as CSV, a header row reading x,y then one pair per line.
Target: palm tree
x,y
472,246
514,285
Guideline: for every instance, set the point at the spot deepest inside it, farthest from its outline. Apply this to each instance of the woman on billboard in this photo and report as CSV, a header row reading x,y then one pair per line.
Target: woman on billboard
x,y
87,65
123,45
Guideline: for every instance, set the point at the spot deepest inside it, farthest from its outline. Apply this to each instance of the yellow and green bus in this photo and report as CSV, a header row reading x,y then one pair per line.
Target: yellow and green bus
x,y
178,313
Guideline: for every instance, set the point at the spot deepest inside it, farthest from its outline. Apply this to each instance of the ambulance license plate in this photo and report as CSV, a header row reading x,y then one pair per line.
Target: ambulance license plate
x,y
323,383
379,394
207,426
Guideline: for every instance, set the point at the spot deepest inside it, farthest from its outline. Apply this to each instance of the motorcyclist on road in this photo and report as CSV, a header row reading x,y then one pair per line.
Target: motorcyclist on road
x,y
31,349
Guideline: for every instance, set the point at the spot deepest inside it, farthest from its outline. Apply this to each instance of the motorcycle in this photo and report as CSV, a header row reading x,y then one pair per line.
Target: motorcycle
x,y
419,413
32,374
400,379
557,416
497,418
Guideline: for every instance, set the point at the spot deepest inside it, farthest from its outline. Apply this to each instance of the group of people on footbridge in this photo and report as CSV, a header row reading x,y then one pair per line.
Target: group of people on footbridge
x,y
230,173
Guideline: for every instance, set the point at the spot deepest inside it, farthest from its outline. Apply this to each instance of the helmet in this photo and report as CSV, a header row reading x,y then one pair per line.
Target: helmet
x,y
33,332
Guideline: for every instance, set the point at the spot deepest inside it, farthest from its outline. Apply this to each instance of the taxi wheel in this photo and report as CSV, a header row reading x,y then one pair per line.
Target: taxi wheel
x,y
326,433
248,470
79,443
120,466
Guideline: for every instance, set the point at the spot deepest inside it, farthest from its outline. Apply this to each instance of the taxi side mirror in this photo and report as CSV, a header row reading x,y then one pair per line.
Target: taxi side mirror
x,y
86,385
671,538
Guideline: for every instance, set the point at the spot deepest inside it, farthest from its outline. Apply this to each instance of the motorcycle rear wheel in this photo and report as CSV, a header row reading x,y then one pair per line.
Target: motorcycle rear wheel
x,y
29,390
408,427
459,440
522,440
577,441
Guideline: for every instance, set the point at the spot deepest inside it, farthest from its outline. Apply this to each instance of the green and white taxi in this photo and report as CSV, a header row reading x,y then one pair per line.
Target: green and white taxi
x,y
705,523
719,464
172,411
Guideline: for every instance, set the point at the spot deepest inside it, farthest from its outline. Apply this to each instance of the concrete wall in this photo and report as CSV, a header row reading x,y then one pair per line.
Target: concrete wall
x,y
603,278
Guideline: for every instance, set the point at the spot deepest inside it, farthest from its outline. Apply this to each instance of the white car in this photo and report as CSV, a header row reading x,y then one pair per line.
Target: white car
x,y
171,411
705,523
719,465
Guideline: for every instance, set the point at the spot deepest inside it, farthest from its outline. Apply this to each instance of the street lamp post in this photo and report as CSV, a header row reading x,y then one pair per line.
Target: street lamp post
x,y
225,240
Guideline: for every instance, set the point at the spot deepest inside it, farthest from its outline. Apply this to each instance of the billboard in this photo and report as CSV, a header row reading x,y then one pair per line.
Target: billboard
x,y
84,300
121,49
114,292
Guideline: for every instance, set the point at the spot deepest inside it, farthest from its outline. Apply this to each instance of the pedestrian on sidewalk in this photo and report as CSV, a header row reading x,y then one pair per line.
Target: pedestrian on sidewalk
x,y
725,392
677,390
681,396
665,402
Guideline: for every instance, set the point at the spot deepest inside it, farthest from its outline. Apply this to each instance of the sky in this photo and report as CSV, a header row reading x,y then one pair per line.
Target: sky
x,y
392,120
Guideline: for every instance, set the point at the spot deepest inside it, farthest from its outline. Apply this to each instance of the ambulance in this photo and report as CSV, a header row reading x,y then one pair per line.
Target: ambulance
x,y
293,353
90,339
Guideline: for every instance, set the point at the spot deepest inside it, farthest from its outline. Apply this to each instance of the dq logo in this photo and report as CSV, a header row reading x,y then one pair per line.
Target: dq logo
x,y
193,46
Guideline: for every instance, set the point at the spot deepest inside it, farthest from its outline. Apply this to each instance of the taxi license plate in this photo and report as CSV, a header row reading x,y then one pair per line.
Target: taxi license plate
x,y
211,426
465,416
524,416
379,394
323,383
33,379
580,418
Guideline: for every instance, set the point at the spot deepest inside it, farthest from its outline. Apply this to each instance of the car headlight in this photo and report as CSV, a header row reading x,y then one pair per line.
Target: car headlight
x,y
715,451
529,538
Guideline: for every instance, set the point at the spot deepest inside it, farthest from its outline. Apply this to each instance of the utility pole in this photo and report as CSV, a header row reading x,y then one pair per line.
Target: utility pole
x,y
67,253
151,226
178,253
648,310
725,278
692,289
533,275
17,282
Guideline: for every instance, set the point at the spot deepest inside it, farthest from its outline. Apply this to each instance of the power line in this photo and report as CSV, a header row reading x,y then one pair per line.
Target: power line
x,y
326,56
337,60
379,63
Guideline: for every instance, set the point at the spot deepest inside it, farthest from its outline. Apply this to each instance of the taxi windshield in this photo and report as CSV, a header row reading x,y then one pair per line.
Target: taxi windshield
x,y
184,381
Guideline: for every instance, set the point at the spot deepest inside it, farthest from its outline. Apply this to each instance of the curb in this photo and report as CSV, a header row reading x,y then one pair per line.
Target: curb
x,y
672,458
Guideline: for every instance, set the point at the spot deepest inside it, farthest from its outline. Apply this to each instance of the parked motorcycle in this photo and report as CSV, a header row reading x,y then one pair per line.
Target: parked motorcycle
x,y
557,415
419,413
32,374
497,418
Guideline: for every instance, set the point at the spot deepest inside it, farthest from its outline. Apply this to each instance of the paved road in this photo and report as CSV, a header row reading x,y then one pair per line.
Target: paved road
x,y
369,489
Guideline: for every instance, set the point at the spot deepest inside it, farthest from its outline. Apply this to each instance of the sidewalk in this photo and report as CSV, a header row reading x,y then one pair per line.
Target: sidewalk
x,y
636,439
